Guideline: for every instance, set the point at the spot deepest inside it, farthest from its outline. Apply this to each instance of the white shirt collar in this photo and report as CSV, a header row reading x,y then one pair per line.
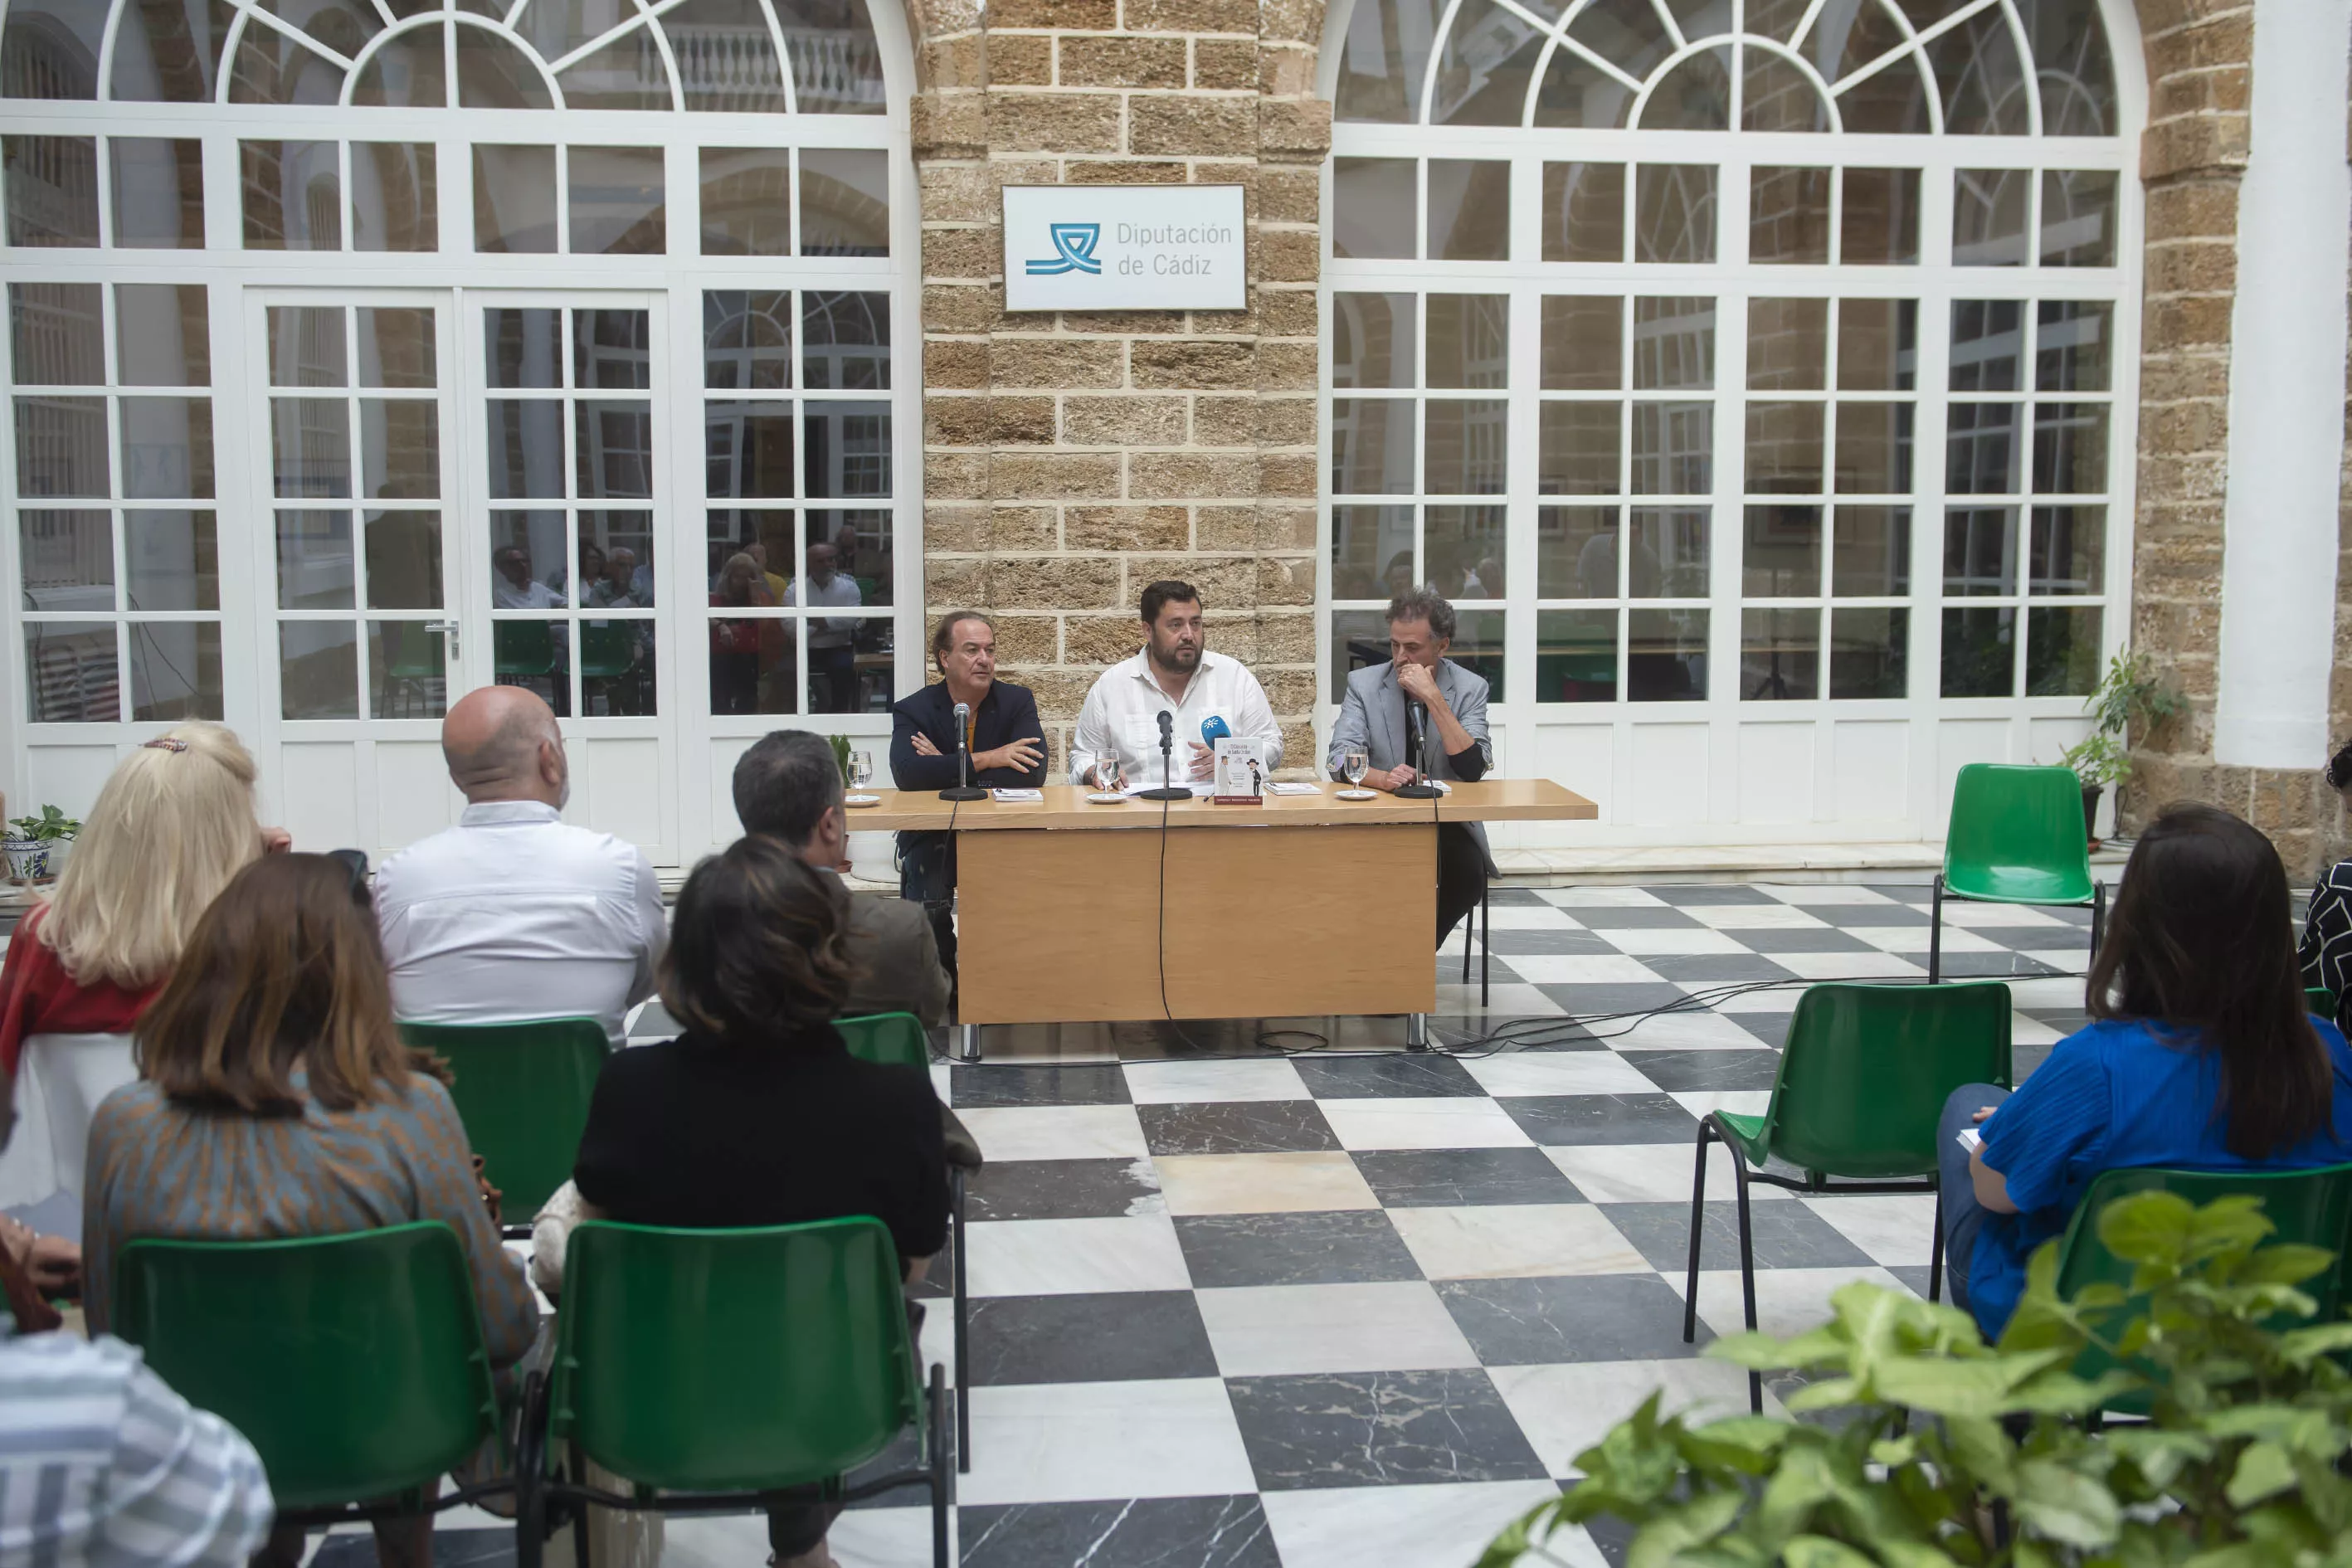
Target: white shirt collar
x,y
500,813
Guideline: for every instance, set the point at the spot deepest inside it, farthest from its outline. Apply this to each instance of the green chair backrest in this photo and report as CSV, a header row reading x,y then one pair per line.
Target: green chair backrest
x,y
890,1039
732,1359
604,648
522,1091
2016,835
354,1362
521,647
2321,1001
416,654
1867,1069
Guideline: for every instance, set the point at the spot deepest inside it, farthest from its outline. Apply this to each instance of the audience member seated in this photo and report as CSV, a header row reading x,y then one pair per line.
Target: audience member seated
x,y
2200,1056
277,1099
787,788
513,914
174,823
2326,950
758,1114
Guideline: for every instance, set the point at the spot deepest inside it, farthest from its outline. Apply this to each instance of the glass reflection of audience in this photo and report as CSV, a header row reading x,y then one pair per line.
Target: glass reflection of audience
x,y
533,654
832,639
742,650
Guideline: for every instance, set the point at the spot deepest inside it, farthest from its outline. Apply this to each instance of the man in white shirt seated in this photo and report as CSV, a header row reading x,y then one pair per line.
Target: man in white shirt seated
x,y
511,914
1175,674
832,639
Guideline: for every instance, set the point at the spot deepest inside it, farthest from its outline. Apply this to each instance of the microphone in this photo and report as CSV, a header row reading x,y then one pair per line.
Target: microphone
x,y
963,789
1416,718
1214,728
1166,791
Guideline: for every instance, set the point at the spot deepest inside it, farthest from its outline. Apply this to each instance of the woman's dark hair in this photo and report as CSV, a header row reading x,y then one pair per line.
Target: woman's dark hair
x,y
2202,938
756,945
2339,768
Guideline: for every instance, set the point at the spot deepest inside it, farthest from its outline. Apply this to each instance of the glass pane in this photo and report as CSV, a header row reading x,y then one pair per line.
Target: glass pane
x,y
395,196
71,673
1980,550
1878,344
1878,225
316,569
1674,213
1779,656
175,670
61,446
1780,553
1460,546
1464,444
410,677
524,346
765,536
400,448
754,659
1477,647
159,190
407,72
2078,218
68,560
748,450
1583,342
626,74
494,74
2070,449
1784,448
844,652
51,49
2071,345
2069,552
1371,446
526,450
556,27
310,447
293,193
536,656
163,335
272,66
167,449
51,183
617,668
1788,345
514,197
611,349
1360,639
1674,449
1382,62
1484,68
846,341
404,560
2062,650
1373,207
56,335
1373,339
844,202
1873,448
1694,96
747,339
1583,211
744,209
1985,84
1870,652
1372,552
1982,445
1988,337
1670,553
526,560
1989,217
1665,655
163,53
396,347
1788,214
726,61
845,449
1469,340
171,561
836,65
1469,210
1576,655
1892,102
1577,552
1774,95
617,201
1870,552
306,346
2071,60
1673,344
614,445
865,551
1577,448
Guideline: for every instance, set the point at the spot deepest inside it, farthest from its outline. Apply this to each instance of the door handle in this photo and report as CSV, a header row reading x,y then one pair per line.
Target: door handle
x,y
448,629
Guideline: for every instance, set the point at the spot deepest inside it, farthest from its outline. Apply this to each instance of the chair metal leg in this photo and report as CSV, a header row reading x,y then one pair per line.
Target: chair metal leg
x,y
1936,932
1469,941
963,1327
2098,917
1747,1275
580,1515
1936,1252
1698,1212
943,1481
1486,945
530,1478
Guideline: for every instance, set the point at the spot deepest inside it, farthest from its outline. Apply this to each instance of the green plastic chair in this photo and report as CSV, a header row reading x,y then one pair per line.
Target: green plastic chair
x,y
2015,838
897,1039
411,657
1860,1090
2312,1206
522,1091
354,1362
728,1369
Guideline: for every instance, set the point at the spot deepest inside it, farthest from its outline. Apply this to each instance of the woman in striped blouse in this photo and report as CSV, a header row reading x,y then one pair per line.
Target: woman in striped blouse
x,y
2327,948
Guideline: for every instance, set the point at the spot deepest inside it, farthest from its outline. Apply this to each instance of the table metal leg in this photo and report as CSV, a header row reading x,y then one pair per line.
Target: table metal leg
x,y
970,1051
1416,1031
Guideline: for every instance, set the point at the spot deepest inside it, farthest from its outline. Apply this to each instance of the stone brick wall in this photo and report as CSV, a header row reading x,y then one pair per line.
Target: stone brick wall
x,y
1071,458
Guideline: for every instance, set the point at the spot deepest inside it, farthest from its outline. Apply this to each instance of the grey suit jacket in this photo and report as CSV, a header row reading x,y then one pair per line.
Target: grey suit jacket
x,y
895,959
1372,719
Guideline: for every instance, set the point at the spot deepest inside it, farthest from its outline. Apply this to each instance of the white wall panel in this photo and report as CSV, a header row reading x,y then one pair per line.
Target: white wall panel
x,y
321,805
1958,743
1775,771
68,777
1870,776
1668,781
415,798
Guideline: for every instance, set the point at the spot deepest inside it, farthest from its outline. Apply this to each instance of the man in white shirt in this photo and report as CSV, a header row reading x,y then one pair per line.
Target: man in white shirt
x,y
511,914
832,639
1174,673
515,588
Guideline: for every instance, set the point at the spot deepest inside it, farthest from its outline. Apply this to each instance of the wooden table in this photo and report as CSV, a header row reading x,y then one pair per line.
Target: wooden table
x,y
1302,905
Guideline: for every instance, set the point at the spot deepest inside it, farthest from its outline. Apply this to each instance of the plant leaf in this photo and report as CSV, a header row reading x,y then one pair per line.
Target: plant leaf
x,y
2065,1505
1821,1551
2263,1471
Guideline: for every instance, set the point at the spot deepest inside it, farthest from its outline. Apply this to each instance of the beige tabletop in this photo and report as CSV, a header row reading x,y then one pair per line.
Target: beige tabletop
x,y
1488,800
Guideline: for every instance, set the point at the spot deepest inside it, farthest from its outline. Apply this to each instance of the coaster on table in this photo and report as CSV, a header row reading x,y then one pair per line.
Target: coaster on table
x,y
861,800
1356,795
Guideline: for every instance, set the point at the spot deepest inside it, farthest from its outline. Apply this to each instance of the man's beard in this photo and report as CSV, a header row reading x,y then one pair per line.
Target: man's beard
x,y
1179,658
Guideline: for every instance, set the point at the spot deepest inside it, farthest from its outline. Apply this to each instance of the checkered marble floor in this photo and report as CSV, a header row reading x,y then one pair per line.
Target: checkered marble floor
x,y
1326,1311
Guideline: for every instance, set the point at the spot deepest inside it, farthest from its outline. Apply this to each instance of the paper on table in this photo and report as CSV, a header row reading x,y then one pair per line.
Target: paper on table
x,y
1294,788
1018,796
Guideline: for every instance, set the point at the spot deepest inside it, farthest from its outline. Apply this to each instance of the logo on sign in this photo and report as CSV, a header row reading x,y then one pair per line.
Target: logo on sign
x,y
1074,243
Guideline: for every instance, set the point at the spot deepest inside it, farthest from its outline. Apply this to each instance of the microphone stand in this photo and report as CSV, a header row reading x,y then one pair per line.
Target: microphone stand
x,y
1166,791
964,788
1420,789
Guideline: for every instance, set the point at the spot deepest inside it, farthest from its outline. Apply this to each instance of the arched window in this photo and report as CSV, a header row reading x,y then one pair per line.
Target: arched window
x,y
1750,370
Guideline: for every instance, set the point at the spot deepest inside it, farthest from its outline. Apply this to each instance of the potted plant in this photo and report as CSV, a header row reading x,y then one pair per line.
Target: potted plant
x,y
2129,694
841,749
34,843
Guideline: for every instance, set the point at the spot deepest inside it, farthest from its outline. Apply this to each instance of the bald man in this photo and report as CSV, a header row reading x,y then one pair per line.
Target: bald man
x,y
512,914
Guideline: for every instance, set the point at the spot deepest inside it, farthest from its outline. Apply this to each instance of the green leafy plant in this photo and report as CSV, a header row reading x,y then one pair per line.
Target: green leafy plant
x,y
2130,693
52,824
2240,1464
841,755
2099,759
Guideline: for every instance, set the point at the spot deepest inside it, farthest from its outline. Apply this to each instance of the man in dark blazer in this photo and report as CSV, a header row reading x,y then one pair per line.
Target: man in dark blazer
x,y
1006,741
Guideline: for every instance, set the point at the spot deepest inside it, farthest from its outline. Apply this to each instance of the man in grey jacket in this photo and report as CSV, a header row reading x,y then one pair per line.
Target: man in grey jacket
x,y
1373,720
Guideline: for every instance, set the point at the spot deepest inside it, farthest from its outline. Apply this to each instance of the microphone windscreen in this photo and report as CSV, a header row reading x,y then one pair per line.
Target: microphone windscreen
x,y
1166,720
1214,728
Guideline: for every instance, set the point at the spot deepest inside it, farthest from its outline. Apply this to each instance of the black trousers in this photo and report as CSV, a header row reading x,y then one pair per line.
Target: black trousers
x,y
927,877
1461,874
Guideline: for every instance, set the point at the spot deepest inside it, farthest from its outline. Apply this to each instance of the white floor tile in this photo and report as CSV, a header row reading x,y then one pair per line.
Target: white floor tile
x,y
1739,1101
1056,1131
1850,966
1262,1183
1531,917
2059,991
1454,1122
2025,1031
1581,969
1801,893
1075,1442
2015,917
2069,961
1601,898
1893,1229
1754,917
1503,1001
1179,1083
1788,1300
1775,999
1509,1241
1274,1331
1913,938
1679,941
1423,1526
860,1538
1076,1256
1649,1173
1684,1031
1558,1072
1566,1409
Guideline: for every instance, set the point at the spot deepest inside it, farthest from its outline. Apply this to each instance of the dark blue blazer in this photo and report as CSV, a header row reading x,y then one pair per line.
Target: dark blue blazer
x,y
1006,713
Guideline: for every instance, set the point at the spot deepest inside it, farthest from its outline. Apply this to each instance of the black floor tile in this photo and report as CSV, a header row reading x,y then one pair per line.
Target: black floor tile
x,y
1006,1083
1382,1428
1417,1075
1701,970
1438,1178
1787,1234
1349,1247
1602,1317
1708,1070
1061,1189
1633,917
1801,939
1564,1120
1141,1532
1713,895
1236,1127
1097,1338
1582,1001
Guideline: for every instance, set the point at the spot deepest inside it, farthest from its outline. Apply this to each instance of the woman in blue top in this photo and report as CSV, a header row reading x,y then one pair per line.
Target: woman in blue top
x,y
2200,1055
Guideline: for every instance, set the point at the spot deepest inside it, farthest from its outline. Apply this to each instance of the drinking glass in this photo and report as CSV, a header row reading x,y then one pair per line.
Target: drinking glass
x,y
1110,777
1355,764
861,769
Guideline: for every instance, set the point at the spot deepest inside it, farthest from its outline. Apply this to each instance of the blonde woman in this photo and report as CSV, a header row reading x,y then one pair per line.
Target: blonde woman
x,y
172,826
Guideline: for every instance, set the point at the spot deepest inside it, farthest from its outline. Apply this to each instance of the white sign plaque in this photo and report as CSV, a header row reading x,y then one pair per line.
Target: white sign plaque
x,y
1125,247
